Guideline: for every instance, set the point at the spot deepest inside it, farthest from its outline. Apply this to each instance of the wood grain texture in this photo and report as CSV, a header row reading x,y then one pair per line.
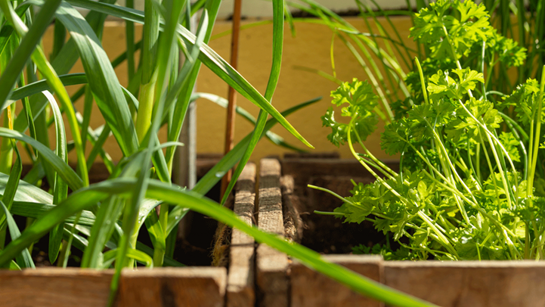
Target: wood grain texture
x,y
241,279
204,286
271,264
303,169
312,289
470,283
293,224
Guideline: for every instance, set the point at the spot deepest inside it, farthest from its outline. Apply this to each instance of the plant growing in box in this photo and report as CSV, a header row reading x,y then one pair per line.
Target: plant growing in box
x,y
470,184
103,219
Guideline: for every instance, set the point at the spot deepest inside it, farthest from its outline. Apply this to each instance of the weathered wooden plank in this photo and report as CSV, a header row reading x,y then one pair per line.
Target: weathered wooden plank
x,y
241,279
293,224
470,283
192,286
54,287
312,289
271,265
203,286
304,169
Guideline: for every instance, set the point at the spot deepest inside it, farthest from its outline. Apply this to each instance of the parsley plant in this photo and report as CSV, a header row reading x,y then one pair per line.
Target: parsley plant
x,y
471,184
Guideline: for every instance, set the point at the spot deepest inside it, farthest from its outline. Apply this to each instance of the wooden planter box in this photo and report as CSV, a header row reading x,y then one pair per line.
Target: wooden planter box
x,y
188,286
285,206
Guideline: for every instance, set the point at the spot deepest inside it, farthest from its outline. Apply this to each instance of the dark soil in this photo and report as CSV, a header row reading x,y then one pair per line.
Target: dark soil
x,y
194,246
328,234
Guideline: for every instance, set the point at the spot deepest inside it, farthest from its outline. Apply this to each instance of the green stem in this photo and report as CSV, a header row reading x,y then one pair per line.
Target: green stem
x,y
145,109
534,148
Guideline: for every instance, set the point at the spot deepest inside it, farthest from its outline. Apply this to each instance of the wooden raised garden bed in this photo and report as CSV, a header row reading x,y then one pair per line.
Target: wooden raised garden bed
x,y
463,283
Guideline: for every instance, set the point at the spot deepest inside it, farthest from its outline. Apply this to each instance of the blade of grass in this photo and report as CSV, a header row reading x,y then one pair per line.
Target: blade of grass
x,y
102,79
24,259
214,175
26,192
208,57
129,37
137,255
183,88
28,112
9,193
38,57
87,197
65,172
87,111
41,85
37,210
11,73
101,231
273,137
59,37
62,64
278,42
60,188
173,11
157,236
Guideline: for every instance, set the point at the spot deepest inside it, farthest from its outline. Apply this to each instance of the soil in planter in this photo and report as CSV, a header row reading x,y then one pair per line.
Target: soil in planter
x,y
327,234
194,246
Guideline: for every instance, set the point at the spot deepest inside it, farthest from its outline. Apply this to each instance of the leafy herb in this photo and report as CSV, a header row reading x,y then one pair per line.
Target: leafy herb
x,y
471,185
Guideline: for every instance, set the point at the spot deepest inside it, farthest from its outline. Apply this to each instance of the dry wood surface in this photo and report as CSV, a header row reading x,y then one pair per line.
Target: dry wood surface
x,y
272,265
202,286
240,282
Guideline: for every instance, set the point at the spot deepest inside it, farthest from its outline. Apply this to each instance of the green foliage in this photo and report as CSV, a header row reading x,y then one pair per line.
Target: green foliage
x,y
361,101
470,187
104,220
387,253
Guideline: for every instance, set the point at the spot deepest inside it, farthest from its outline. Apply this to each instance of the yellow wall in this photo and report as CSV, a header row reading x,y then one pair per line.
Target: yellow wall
x,y
310,48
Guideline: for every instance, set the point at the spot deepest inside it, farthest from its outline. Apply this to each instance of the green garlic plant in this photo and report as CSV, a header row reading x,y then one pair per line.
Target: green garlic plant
x,y
471,181
104,220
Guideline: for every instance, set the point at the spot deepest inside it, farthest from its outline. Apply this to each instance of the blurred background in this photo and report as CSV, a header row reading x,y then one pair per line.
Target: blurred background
x,y
308,50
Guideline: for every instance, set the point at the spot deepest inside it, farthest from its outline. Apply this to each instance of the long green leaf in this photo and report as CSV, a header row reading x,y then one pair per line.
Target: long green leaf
x,y
273,137
101,231
102,78
88,197
41,85
157,236
13,182
207,55
38,57
183,87
36,210
10,192
26,192
24,260
137,255
65,172
164,56
226,163
278,43
60,188
26,47
62,63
